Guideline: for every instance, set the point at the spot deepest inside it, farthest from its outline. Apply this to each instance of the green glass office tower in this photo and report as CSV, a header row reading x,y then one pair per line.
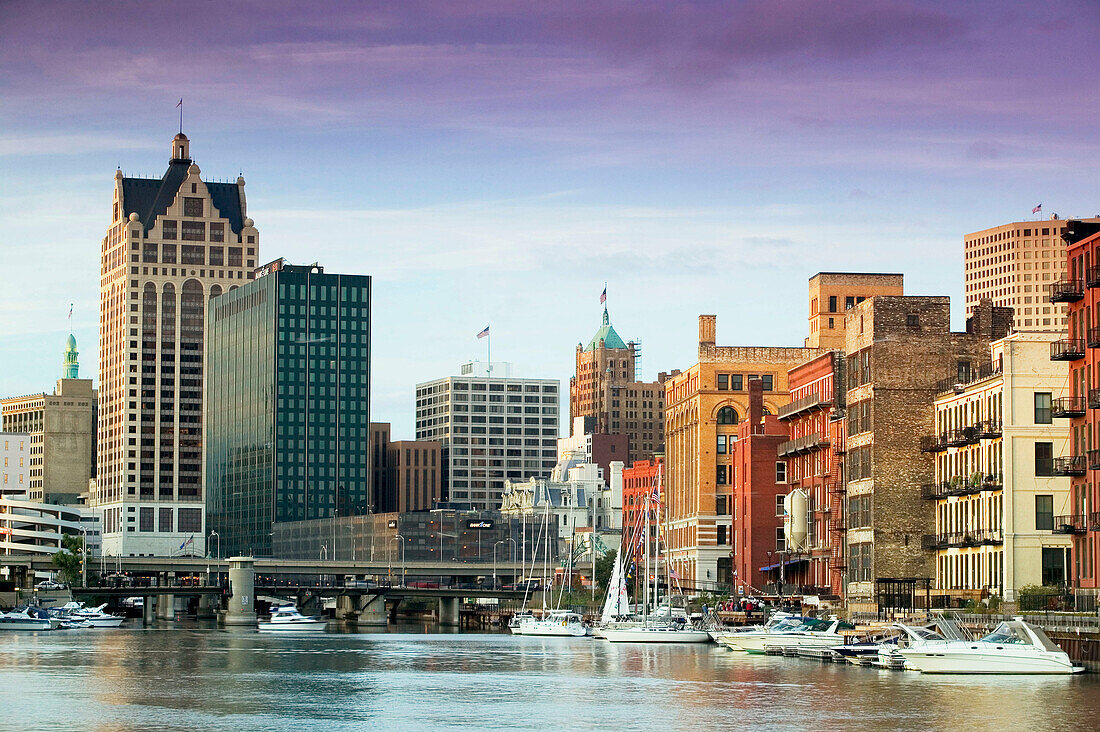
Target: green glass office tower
x,y
288,403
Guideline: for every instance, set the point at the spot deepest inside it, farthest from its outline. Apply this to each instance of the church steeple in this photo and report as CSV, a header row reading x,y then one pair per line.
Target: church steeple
x,y
72,365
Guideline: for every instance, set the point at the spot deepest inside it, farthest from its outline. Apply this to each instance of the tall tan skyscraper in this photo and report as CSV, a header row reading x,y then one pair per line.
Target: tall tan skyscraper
x,y
173,244
1012,264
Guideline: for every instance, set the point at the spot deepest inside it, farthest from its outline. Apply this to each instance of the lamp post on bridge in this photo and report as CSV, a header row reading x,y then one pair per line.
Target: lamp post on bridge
x,y
503,541
395,538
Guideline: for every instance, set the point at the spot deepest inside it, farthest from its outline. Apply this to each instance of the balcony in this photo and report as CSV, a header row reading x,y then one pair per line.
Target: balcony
x,y
992,482
1066,291
1093,459
978,537
1072,465
935,491
989,429
1067,349
963,436
933,542
1070,524
1092,277
1092,339
802,445
806,405
1094,521
935,443
1094,398
1073,406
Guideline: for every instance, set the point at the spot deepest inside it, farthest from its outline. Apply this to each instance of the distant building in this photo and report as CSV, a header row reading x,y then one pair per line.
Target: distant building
x,y
1013,264
703,407
173,243
15,463
492,428
604,388
1002,505
594,447
639,481
61,428
288,392
833,293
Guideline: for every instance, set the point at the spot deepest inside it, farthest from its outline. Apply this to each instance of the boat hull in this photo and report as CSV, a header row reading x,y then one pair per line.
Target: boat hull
x,y
978,661
25,625
555,630
655,635
308,626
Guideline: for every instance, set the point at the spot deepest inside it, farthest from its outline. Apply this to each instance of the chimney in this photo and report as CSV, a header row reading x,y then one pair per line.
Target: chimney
x,y
706,330
756,403
990,321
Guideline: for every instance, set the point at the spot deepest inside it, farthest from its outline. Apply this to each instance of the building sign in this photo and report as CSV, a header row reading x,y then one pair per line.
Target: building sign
x,y
269,268
479,524
392,524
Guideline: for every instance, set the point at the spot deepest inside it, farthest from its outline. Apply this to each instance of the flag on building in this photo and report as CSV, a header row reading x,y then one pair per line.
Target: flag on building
x,y
185,544
1037,209
484,333
180,103
603,295
70,310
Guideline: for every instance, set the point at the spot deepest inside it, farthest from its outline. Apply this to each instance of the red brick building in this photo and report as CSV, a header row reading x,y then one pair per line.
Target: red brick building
x,y
814,457
758,481
1081,350
639,480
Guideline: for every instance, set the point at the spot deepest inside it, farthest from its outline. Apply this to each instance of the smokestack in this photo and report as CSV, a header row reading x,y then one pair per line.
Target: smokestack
x,y
706,330
756,402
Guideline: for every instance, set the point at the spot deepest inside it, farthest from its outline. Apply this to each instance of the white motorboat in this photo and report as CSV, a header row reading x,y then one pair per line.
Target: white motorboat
x,y
656,632
728,636
288,619
27,618
793,631
556,623
812,636
752,640
75,611
1014,647
519,621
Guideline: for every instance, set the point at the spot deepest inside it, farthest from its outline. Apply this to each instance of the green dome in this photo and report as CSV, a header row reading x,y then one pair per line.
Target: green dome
x,y
70,344
606,334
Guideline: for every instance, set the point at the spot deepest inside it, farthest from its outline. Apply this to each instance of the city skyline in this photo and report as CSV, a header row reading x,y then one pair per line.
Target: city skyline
x,y
499,164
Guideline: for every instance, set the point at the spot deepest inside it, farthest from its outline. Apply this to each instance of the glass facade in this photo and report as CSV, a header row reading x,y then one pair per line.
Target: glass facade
x,y
288,425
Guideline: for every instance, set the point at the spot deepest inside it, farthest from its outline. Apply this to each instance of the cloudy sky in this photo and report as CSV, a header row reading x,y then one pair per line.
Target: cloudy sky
x,y
497,162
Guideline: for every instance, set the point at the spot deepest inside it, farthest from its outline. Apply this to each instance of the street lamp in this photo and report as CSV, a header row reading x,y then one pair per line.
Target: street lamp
x,y
320,575
84,559
502,541
395,538
219,553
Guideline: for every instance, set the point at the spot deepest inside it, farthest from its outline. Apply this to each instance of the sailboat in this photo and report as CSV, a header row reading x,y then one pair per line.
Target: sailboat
x,y
556,622
668,628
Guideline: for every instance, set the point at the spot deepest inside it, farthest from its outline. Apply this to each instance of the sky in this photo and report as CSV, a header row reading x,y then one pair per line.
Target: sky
x,y
498,162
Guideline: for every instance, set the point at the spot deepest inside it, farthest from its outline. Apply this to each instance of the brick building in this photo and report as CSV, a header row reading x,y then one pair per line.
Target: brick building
x,y
834,293
704,406
639,480
815,465
605,388
1080,349
897,348
406,475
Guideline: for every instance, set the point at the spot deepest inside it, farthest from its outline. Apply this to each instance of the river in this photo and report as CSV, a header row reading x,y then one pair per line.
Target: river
x,y
197,677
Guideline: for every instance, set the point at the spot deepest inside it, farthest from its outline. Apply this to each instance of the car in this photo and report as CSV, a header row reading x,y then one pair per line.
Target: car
x,y
47,585
419,585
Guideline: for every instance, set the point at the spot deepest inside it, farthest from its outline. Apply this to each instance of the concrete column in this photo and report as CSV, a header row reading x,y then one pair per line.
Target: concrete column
x,y
242,585
449,611
166,607
148,612
372,610
206,607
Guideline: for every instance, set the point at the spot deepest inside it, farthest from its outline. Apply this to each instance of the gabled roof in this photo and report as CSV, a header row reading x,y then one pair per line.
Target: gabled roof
x,y
150,198
606,334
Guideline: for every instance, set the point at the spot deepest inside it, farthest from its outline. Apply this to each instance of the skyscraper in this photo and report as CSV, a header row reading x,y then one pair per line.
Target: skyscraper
x,y
287,429
172,244
492,428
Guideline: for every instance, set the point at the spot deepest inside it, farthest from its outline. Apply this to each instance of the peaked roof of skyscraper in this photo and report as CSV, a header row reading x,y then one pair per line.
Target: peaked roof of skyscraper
x,y
606,334
150,198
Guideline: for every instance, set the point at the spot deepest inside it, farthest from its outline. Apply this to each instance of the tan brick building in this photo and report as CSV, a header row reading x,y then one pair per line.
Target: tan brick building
x,y
704,405
897,349
834,293
1012,264
604,388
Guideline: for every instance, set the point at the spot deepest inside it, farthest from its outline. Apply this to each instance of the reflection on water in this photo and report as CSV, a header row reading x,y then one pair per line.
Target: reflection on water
x,y
191,676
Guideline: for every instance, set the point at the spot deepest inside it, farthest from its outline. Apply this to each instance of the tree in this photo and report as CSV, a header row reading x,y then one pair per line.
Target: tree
x,y
69,559
604,566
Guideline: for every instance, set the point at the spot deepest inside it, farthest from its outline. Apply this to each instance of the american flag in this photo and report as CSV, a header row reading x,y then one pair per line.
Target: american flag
x,y
484,333
1037,209
603,295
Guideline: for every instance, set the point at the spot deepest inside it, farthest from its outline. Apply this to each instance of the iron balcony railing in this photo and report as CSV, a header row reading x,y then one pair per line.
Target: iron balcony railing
x,y
801,445
963,436
961,486
804,405
1072,465
1094,521
1067,349
958,381
1071,406
1093,459
1094,398
978,537
1092,338
933,443
1066,291
1070,524
1092,277
989,429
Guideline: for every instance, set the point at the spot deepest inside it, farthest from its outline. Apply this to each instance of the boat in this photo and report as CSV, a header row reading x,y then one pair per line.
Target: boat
x,y
76,611
728,636
287,619
814,634
657,631
1014,647
27,617
554,623
518,621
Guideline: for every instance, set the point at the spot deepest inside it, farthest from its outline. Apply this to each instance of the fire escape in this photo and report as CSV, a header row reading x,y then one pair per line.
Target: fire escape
x,y
836,486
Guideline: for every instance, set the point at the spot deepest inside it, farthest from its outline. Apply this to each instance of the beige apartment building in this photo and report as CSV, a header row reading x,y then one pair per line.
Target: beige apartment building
x,y
1012,264
834,293
998,492
173,243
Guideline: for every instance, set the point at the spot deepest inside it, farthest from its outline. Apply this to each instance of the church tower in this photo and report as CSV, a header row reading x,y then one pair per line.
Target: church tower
x,y
71,369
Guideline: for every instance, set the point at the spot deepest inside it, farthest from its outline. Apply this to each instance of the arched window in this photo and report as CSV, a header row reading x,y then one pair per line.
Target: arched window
x,y
727,415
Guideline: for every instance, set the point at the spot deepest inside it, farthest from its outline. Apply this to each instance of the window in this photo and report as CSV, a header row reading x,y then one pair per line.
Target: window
x,y
830,323
720,475
723,382
780,507
859,511
165,520
849,303
768,382
234,256
217,232
780,540
832,303
721,444
216,258
1044,459
736,382
168,253
721,534
780,471
168,229
193,231
1044,513
912,320
191,254
192,206
727,415
190,520
721,505
1054,566
1042,407
145,519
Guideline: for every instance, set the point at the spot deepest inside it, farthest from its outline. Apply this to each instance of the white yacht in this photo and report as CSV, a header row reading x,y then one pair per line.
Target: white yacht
x,y
27,618
813,636
792,631
657,631
555,623
519,621
288,619
1014,647
752,639
728,636
95,616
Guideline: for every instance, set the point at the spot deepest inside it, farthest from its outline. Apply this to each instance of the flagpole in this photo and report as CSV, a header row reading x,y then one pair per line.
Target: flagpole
x,y
489,352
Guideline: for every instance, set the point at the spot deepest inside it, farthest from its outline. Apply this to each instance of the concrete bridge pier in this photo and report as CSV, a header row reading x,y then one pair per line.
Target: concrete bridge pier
x,y
449,611
166,607
148,612
345,607
372,610
206,607
242,597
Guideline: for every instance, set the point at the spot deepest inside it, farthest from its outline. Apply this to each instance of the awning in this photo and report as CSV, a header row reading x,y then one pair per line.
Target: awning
x,y
789,562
